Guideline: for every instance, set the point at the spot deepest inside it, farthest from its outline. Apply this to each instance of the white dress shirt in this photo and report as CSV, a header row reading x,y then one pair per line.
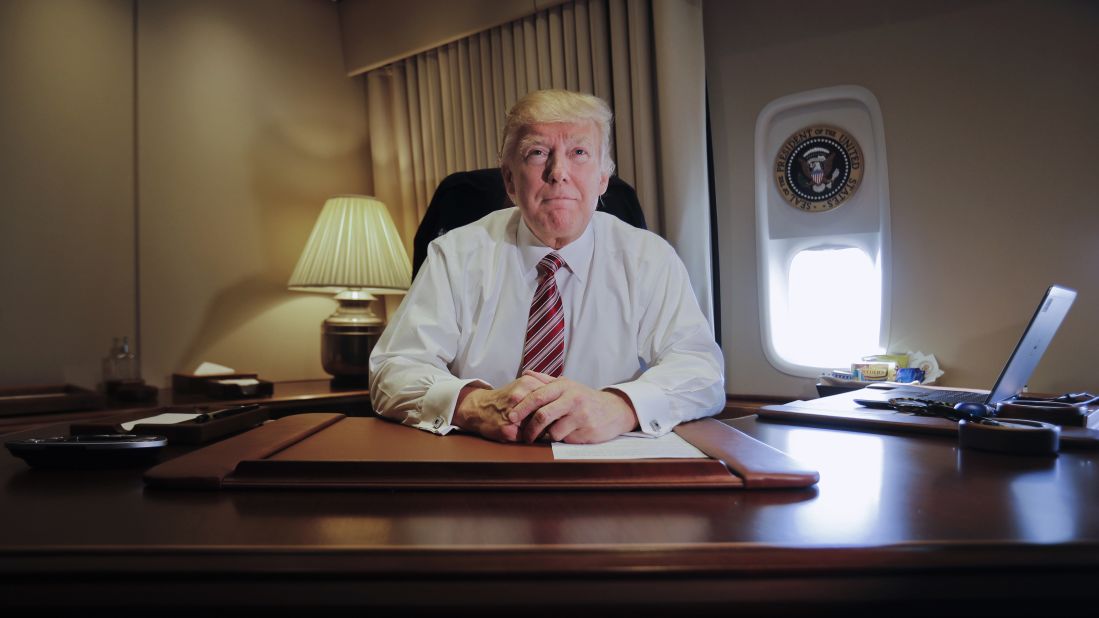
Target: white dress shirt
x,y
631,323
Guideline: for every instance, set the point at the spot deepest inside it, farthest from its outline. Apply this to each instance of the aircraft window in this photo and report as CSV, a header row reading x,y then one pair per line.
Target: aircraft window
x,y
832,312
822,229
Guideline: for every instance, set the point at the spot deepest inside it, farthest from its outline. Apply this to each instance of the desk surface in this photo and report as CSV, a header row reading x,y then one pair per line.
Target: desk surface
x,y
289,397
894,518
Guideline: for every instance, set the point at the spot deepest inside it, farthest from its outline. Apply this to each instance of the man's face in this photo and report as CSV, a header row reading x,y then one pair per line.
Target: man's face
x,y
555,177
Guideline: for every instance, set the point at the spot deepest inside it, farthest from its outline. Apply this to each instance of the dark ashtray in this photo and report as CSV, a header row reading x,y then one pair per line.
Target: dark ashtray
x,y
131,390
89,451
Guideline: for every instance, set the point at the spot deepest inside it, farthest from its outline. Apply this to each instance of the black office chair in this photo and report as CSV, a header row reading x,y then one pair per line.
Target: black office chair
x,y
464,197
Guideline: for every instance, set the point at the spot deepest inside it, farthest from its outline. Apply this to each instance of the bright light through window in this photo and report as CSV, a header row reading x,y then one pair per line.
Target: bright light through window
x,y
833,310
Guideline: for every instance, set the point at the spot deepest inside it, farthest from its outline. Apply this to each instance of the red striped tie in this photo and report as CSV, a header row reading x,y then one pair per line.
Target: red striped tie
x,y
544,350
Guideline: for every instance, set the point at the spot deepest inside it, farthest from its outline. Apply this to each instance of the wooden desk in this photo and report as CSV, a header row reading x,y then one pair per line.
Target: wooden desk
x,y
908,525
289,398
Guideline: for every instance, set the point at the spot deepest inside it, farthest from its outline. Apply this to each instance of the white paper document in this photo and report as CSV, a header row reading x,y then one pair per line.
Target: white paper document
x,y
168,418
669,445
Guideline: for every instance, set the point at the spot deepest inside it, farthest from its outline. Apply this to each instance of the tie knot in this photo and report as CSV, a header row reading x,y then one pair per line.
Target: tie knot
x,y
550,264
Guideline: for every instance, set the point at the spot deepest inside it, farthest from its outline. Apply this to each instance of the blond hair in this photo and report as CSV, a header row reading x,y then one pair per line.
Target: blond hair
x,y
549,106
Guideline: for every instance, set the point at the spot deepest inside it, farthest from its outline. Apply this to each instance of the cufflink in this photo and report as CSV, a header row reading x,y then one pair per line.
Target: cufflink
x,y
655,426
437,423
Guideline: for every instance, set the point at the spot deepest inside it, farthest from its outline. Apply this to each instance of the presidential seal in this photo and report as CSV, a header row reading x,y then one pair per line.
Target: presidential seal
x,y
818,168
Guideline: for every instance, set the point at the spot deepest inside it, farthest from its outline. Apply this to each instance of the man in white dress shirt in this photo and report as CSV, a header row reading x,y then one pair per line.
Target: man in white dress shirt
x,y
637,353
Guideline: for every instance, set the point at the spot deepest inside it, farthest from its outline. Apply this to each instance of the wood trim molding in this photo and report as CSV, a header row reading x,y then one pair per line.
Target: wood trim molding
x,y
746,404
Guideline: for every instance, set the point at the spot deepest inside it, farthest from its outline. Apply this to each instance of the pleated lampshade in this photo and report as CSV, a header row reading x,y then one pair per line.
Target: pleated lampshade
x,y
354,245
353,252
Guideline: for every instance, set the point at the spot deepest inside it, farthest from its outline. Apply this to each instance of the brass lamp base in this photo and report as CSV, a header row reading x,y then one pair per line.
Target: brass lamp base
x,y
347,338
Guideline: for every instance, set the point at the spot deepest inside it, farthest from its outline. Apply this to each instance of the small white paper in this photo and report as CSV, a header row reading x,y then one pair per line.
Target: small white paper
x,y
168,418
669,445
928,363
212,369
239,381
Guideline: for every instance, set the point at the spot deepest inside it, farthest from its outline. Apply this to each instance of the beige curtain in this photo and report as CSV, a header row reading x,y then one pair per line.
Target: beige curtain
x,y
442,111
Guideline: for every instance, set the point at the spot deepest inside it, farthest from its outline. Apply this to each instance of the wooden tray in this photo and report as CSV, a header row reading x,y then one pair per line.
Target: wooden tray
x,y
19,400
187,432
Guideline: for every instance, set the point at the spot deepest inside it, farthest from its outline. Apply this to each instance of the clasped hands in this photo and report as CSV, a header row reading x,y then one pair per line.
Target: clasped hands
x,y
539,406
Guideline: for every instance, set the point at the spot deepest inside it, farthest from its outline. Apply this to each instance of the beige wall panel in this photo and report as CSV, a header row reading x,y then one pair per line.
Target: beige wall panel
x,y
990,128
247,124
66,187
377,32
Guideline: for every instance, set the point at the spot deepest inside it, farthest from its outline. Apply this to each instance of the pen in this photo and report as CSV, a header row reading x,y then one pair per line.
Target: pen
x,y
223,412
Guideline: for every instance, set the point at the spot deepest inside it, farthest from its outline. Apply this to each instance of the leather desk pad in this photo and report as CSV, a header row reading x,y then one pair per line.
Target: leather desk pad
x,y
334,451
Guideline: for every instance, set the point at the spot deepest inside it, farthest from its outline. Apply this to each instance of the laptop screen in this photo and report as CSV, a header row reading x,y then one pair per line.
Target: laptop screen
x,y
1043,325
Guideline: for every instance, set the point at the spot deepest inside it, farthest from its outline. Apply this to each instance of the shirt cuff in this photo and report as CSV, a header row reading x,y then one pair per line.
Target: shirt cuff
x,y
437,406
651,406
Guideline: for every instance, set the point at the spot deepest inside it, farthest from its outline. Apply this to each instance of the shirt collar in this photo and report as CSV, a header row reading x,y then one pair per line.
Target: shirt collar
x,y
577,254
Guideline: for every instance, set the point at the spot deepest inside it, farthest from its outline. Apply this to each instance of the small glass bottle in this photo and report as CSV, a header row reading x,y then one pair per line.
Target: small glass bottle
x,y
127,367
109,362
120,364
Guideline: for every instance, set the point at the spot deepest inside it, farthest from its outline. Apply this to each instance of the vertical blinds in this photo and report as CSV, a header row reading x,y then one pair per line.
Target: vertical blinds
x,y
443,110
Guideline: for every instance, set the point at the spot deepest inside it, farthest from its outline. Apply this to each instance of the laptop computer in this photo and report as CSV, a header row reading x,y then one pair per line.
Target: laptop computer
x,y
1043,326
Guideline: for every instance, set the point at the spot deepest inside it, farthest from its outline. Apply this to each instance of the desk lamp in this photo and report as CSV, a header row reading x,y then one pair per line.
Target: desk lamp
x,y
353,252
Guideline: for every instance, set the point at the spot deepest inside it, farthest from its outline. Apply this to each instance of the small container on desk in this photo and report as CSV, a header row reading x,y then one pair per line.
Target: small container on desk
x,y
130,390
192,384
238,388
